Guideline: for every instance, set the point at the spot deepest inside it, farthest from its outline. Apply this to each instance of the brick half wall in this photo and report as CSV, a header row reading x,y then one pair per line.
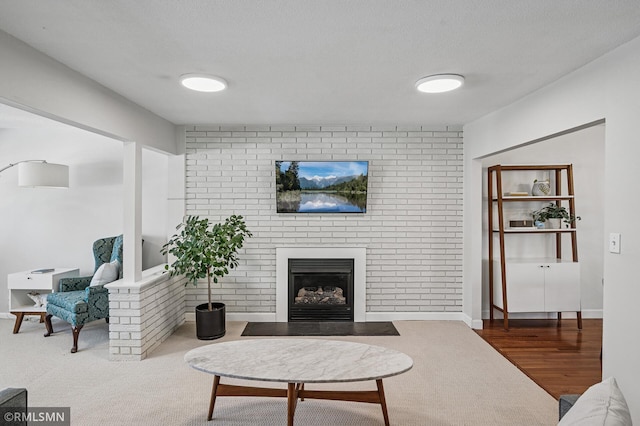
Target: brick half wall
x,y
144,314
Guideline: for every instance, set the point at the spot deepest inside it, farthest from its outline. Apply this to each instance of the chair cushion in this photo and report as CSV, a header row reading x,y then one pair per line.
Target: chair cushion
x,y
72,318
106,273
72,301
601,404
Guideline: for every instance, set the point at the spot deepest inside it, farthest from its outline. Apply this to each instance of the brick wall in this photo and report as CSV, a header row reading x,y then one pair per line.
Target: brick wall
x,y
144,314
412,229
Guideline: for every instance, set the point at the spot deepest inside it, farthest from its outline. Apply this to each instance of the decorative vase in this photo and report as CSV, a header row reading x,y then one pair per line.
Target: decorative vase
x,y
210,324
553,223
541,188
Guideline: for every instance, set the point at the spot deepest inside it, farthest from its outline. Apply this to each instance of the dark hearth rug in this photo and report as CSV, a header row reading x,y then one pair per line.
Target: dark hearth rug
x,y
320,328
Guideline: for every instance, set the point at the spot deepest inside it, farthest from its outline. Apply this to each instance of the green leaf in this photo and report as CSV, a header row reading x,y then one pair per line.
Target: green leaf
x,y
206,250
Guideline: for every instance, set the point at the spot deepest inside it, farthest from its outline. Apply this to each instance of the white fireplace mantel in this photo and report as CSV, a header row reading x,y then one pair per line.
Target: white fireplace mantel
x,y
359,256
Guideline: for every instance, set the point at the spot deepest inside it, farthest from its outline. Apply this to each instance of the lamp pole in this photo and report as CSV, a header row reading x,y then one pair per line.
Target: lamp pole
x,y
23,161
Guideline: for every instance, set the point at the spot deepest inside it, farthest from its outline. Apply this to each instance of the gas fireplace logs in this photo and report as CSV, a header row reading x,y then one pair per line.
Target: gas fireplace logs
x,y
321,295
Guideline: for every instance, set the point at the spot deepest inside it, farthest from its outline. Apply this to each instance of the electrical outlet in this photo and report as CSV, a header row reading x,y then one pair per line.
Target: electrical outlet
x,y
614,242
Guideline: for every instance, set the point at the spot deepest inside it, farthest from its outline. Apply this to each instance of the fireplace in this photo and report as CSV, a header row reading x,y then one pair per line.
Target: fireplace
x,y
356,254
320,289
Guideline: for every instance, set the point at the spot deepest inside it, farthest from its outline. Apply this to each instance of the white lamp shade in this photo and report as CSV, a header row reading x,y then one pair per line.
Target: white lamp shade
x,y
36,174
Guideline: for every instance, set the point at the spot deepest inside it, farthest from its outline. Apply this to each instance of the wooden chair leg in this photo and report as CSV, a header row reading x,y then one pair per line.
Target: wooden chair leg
x,y
76,333
47,323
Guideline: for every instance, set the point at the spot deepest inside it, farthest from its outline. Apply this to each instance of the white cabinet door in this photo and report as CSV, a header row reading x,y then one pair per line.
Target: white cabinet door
x,y
525,287
562,287
539,286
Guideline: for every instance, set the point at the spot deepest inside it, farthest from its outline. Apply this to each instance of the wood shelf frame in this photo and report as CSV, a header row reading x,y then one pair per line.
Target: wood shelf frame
x,y
499,198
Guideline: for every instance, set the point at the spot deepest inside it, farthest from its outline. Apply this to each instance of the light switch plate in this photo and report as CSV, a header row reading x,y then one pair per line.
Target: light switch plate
x,y
614,242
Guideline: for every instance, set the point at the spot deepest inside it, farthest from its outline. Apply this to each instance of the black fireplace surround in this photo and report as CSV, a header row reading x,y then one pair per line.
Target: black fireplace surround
x,y
320,290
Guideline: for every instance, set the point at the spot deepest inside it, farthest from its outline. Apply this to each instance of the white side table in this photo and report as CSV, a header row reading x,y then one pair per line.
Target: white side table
x,y
21,283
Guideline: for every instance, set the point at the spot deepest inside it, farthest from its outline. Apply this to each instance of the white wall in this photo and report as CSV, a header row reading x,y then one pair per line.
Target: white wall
x,y
36,82
44,227
585,150
607,88
412,227
155,184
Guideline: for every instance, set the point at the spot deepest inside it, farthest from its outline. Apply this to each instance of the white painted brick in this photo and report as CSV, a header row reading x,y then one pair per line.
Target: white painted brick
x,y
415,179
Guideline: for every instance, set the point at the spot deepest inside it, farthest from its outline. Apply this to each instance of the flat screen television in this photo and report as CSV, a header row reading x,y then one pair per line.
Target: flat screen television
x,y
321,186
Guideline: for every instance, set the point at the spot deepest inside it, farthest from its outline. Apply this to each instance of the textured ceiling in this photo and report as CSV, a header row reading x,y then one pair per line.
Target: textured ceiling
x,y
314,61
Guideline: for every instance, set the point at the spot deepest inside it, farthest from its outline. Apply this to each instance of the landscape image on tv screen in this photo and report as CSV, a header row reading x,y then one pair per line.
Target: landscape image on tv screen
x,y
321,186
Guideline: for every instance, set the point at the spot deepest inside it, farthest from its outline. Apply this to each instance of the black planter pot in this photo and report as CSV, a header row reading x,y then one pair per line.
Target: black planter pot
x,y
210,324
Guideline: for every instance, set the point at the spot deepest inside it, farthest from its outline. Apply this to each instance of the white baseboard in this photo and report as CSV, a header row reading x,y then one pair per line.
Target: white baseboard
x,y
240,316
474,324
414,316
369,316
7,315
257,317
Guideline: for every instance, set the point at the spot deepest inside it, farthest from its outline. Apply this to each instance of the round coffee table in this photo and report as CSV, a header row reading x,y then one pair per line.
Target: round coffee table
x,y
296,362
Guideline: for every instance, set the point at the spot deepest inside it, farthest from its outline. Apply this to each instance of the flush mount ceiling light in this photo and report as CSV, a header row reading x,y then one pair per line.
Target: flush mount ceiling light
x,y
439,83
203,83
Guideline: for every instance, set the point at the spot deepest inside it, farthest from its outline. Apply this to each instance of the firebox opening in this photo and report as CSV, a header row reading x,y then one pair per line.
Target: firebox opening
x,y
320,290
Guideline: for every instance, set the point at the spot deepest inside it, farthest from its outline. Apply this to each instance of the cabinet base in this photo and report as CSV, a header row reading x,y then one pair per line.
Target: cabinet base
x,y
505,317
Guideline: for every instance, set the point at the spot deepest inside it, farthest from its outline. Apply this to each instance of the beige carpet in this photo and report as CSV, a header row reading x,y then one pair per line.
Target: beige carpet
x,y
457,379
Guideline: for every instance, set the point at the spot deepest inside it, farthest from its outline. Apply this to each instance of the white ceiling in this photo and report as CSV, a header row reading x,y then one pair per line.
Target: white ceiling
x,y
315,61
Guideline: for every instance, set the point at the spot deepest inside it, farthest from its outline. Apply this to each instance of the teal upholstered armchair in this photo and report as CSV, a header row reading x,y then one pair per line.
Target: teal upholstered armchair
x,y
80,300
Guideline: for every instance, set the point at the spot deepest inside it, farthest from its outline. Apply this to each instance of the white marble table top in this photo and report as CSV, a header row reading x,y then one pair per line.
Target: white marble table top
x,y
298,360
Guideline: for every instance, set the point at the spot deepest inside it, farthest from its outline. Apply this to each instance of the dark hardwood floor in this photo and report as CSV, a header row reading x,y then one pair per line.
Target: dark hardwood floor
x,y
561,360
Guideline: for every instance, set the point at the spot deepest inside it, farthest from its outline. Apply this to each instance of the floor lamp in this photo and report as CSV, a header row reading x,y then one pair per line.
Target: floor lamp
x,y
40,174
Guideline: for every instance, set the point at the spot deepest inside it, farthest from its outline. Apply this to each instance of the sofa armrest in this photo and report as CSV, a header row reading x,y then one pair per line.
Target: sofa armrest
x,y
13,398
565,403
73,283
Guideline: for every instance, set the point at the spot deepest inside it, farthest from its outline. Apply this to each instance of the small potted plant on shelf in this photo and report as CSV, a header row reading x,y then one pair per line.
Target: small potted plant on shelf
x,y
203,250
552,214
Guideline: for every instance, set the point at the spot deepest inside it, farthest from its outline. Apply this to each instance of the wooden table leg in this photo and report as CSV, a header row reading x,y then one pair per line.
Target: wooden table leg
x,y
383,402
296,391
19,318
214,390
292,400
300,387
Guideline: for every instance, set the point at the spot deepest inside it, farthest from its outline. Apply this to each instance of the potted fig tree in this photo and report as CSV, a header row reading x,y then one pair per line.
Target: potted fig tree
x,y
205,250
